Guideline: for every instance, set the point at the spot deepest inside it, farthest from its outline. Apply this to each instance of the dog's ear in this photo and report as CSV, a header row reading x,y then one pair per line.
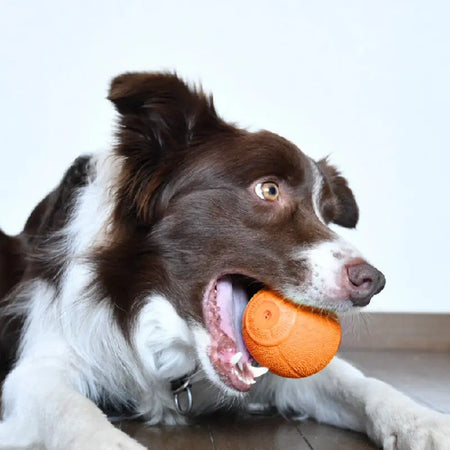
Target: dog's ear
x,y
345,209
160,118
162,109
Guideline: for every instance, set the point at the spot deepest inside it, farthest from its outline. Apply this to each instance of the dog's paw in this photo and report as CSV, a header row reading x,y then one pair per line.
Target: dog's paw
x,y
107,439
397,422
430,431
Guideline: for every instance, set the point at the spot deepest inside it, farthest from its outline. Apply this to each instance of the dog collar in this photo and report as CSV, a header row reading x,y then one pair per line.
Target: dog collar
x,y
182,386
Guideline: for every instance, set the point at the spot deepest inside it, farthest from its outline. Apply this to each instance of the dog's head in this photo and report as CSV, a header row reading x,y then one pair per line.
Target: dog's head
x,y
207,213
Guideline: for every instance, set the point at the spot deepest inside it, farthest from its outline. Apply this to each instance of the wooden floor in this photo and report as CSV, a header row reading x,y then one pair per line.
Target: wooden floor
x,y
422,375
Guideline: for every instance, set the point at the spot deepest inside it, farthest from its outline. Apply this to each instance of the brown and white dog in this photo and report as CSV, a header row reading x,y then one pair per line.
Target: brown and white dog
x,y
129,281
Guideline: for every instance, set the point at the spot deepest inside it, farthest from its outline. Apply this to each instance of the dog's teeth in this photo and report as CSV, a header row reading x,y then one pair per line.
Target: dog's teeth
x,y
235,358
241,378
258,371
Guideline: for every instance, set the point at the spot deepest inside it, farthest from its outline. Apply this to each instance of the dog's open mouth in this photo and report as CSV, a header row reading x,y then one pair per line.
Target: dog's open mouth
x,y
223,307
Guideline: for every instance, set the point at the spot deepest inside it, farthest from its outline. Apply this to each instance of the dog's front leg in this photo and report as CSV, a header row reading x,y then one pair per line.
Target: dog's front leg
x,y
341,395
42,409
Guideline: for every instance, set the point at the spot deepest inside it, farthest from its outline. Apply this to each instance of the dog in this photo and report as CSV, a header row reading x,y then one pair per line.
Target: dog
x,y
125,291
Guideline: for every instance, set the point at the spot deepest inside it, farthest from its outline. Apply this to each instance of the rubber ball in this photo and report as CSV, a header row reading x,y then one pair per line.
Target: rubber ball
x,y
291,340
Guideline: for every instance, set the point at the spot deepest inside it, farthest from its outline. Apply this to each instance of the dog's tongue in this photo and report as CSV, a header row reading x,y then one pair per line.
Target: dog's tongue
x,y
232,300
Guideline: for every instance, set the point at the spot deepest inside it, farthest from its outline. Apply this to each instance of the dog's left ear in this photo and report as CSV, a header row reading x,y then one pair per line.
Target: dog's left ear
x,y
161,117
162,108
345,209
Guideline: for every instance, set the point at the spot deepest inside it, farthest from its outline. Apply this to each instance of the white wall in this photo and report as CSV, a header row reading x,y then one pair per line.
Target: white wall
x,y
367,82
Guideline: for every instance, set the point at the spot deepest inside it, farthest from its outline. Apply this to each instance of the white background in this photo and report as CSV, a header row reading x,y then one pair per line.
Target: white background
x,y
367,82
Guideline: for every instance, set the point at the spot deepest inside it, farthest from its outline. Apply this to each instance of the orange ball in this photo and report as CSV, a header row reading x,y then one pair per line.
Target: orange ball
x,y
290,340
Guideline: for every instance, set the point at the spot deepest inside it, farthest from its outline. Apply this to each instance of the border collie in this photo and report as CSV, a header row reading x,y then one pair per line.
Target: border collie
x,y
126,288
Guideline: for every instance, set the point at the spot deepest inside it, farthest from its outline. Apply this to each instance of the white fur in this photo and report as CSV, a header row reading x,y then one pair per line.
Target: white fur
x,y
165,346
71,349
89,224
323,287
73,354
43,409
317,190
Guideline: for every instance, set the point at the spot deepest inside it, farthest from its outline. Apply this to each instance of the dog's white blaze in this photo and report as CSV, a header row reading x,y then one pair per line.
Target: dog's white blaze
x,y
325,262
317,190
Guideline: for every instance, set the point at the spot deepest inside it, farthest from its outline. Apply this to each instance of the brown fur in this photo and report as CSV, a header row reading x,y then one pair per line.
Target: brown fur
x,y
185,208
186,175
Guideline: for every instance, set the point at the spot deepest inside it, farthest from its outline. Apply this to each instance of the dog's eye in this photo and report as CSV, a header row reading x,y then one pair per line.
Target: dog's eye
x,y
267,191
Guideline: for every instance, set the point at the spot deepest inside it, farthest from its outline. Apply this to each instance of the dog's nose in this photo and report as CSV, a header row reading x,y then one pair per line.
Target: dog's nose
x,y
365,282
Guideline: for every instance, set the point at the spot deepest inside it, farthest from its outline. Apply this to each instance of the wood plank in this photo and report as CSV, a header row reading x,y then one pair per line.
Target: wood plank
x,y
256,433
247,433
326,437
192,437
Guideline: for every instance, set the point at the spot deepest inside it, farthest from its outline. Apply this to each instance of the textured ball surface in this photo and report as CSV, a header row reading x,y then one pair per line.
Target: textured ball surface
x,y
292,341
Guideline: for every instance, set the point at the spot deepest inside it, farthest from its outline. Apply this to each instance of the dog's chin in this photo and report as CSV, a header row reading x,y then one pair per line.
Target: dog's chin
x,y
223,307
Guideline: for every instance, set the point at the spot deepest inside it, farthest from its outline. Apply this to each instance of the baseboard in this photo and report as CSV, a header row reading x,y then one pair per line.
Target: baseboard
x,y
411,331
